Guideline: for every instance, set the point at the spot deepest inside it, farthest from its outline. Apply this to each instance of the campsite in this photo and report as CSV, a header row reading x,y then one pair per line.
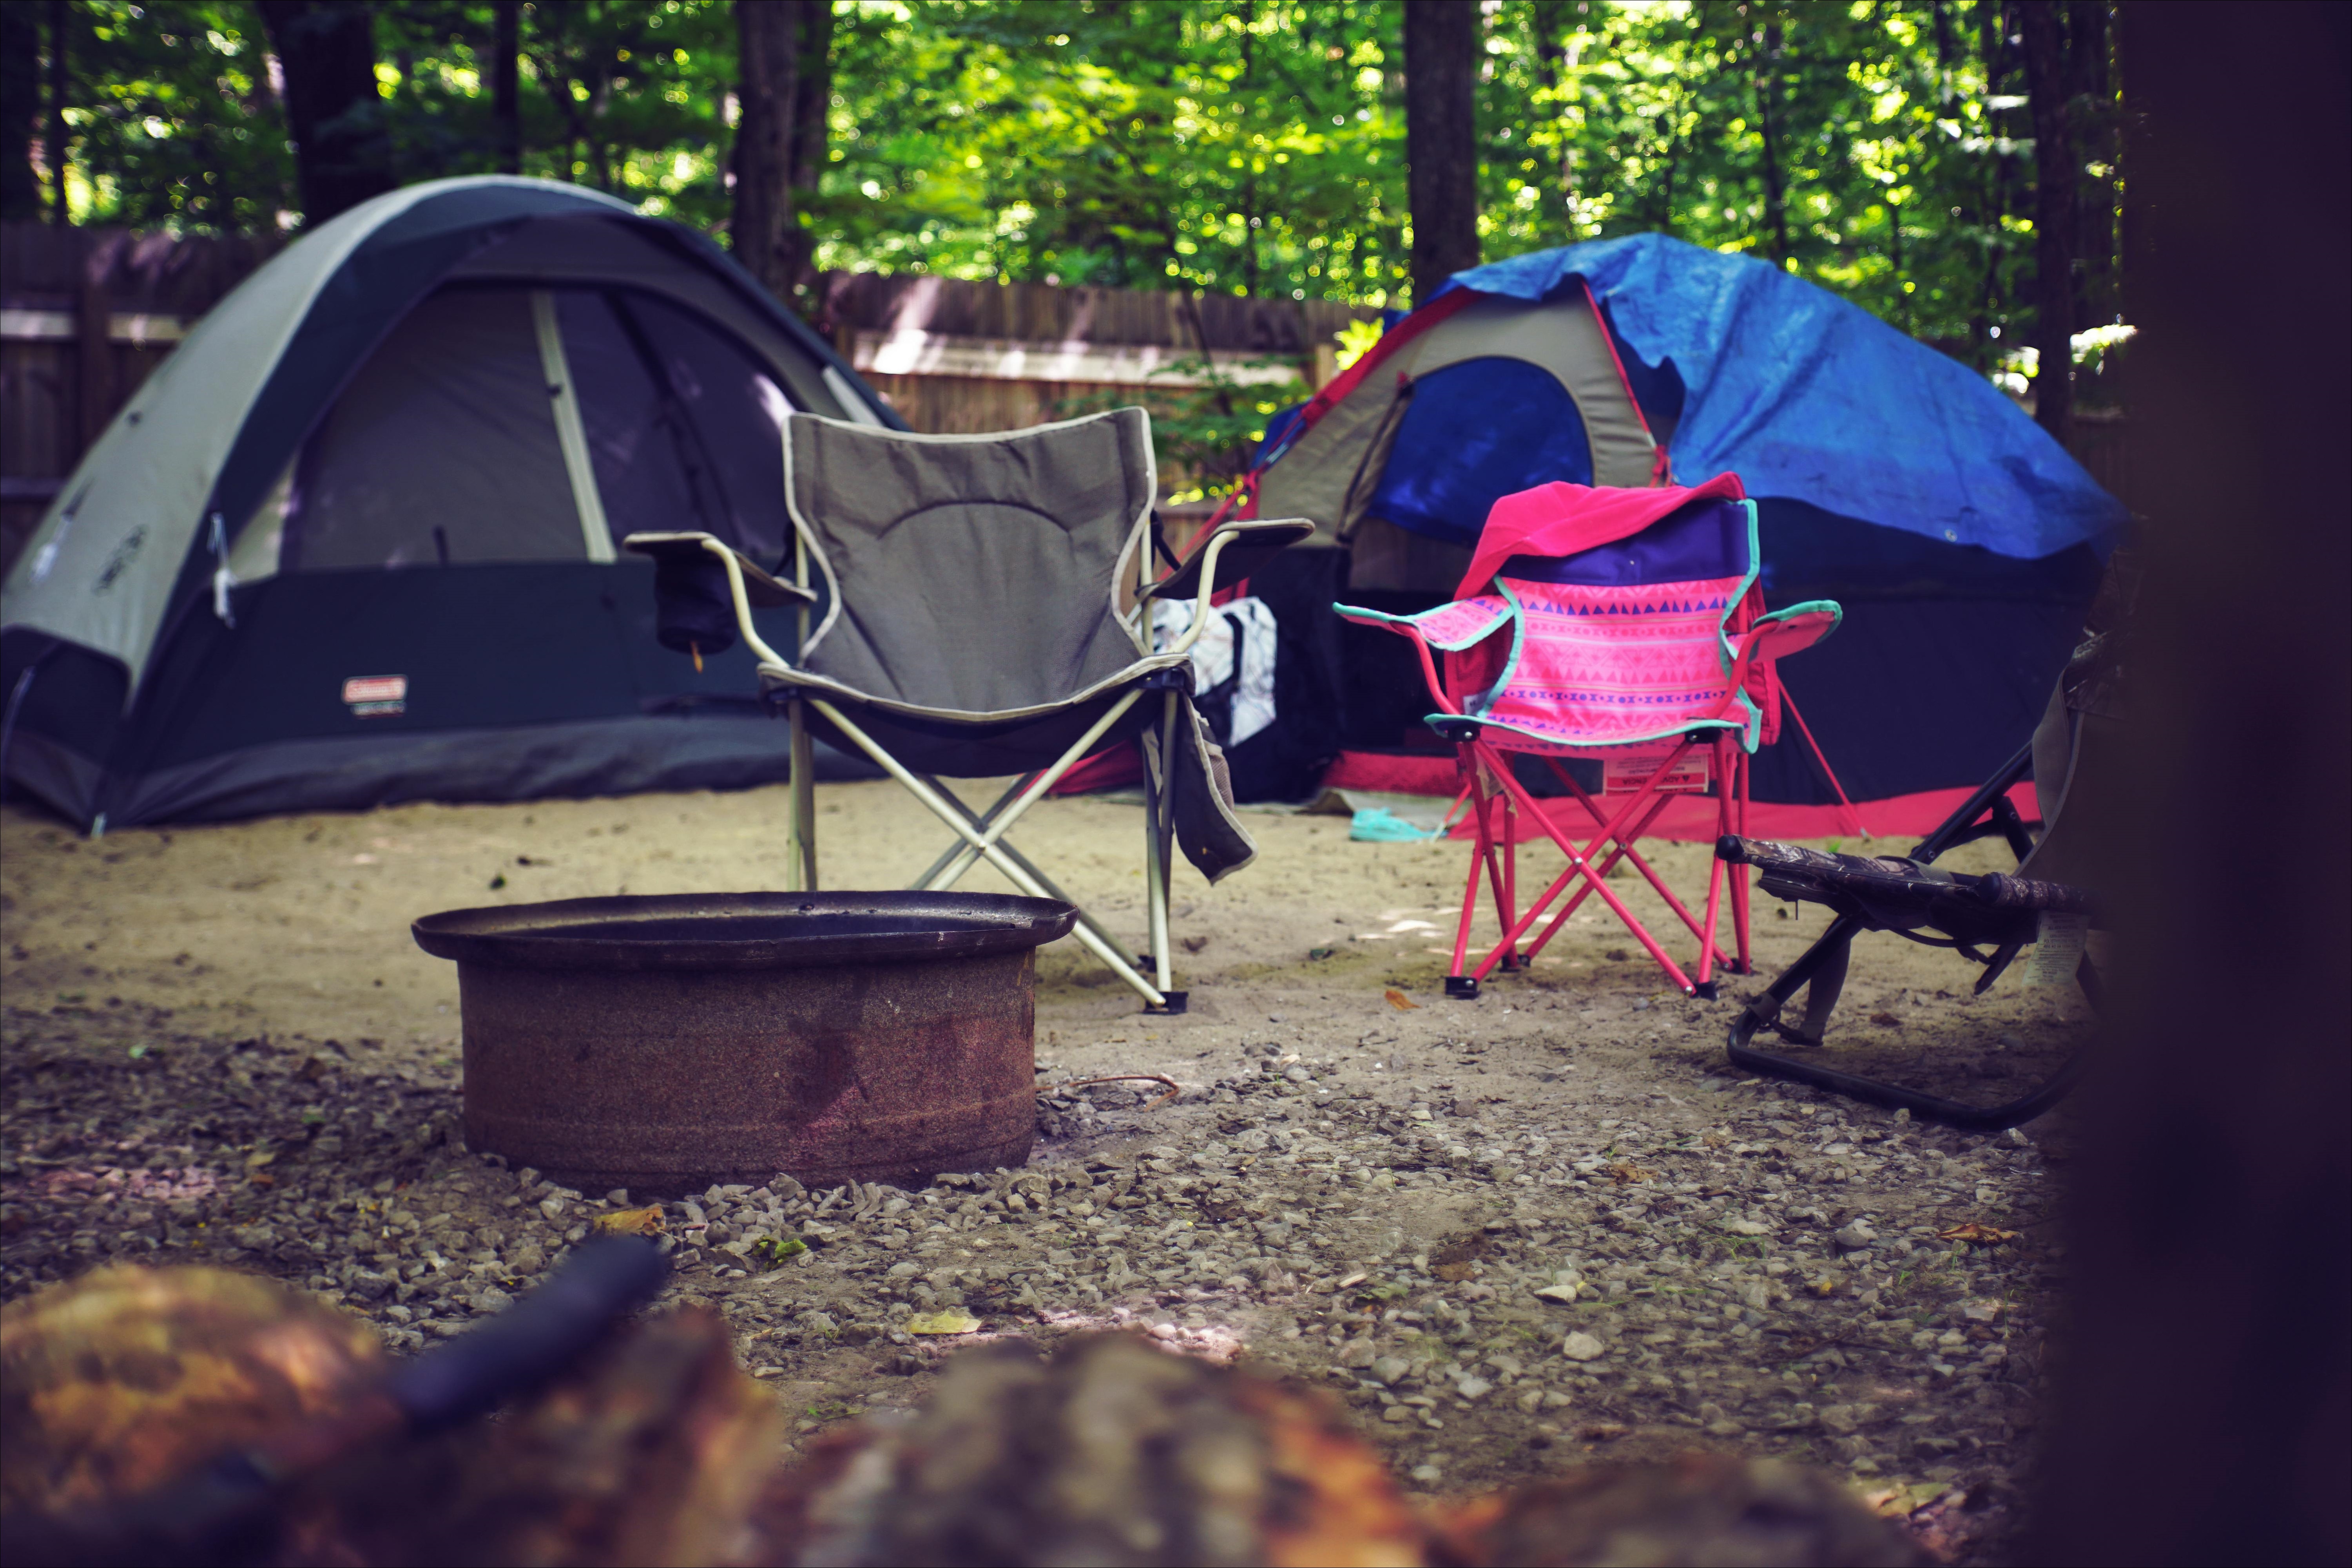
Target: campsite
x,y
1459,1156
986,781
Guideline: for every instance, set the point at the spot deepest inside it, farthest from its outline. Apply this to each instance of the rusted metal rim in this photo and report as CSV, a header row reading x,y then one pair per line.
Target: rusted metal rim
x,y
743,930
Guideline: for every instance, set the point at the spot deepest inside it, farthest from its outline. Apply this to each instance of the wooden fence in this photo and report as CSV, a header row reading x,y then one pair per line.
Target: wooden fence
x,y
86,314
966,357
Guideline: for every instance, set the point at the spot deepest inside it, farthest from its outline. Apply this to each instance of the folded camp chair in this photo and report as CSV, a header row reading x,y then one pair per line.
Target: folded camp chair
x,y
1618,624
982,607
1988,919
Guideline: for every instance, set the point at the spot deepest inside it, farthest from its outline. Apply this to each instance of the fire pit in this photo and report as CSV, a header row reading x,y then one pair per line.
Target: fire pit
x,y
663,1044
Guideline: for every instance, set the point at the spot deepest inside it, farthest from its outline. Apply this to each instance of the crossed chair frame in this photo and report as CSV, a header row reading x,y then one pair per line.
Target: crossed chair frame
x,y
1496,797
982,835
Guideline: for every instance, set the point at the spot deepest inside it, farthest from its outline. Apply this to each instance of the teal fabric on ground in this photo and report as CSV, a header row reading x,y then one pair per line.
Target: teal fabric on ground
x,y
1379,825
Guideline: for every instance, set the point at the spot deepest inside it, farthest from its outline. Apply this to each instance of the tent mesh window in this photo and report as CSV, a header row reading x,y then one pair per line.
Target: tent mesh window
x,y
447,447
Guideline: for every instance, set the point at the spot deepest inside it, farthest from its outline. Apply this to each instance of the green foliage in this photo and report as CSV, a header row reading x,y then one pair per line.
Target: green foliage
x,y
771,1250
1877,147
1246,148
1894,146
1205,433
175,121
179,125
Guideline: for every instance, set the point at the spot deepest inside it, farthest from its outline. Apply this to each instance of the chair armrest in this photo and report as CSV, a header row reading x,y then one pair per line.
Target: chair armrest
x,y
1903,894
1247,547
1780,634
764,591
700,584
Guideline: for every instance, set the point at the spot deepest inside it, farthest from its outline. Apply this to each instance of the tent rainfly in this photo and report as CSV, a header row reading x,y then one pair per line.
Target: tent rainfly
x,y
1962,540
353,542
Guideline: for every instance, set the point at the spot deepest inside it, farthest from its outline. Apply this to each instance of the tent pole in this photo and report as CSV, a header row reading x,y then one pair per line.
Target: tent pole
x,y
571,431
1828,772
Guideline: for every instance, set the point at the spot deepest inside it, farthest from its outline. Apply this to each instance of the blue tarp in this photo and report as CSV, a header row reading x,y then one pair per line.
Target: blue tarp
x,y
1807,397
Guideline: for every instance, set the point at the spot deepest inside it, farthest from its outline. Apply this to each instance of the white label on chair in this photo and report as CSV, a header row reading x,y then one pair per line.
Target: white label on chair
x,y
2058,951
1627,775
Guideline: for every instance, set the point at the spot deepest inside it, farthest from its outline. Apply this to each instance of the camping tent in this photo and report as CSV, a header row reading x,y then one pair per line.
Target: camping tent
x,y
354,541
1962,540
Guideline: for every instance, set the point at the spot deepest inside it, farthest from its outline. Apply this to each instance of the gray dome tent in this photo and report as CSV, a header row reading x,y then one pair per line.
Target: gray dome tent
x,y
353,542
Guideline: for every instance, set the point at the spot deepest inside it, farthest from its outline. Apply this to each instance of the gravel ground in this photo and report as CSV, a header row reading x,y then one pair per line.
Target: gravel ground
x,y
1509,1234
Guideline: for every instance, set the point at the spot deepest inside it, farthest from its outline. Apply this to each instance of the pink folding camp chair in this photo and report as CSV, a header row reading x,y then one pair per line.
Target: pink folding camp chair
x,y
1623,625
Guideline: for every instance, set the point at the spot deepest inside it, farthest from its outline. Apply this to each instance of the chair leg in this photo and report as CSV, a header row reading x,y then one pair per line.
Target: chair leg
x,y
1458,984
1717,873
959,856
1626,850
1821,971
1822,993
1006,812
1744,765
932,881
989,848
1581,865
800,822
1513,959
1622,852
1488,855
1160,838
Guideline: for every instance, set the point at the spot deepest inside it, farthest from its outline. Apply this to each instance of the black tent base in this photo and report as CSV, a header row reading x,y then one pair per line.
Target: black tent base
x,y
577,760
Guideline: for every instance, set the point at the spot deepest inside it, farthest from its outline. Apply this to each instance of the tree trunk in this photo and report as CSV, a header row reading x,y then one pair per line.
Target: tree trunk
x,y
506,86
812,101
1776,196
20,103
2091,116
1441,139
2053,218
785,66
2206,1201
1895,247
591,124
1552,20
342,155
1982,327
54,149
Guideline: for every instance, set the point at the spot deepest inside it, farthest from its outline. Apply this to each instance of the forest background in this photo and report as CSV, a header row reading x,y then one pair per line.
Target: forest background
x,y
1952,166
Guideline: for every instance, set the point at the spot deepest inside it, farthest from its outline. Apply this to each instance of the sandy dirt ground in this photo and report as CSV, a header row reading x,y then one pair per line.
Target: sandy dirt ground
x,y
1509,1234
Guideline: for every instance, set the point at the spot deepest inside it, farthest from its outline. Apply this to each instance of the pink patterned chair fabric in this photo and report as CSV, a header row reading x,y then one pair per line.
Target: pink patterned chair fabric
x,y
1588,669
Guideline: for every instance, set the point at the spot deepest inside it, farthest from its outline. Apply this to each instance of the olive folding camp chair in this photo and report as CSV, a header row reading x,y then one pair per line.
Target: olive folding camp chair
x,y
1623,625
974,606
2047,903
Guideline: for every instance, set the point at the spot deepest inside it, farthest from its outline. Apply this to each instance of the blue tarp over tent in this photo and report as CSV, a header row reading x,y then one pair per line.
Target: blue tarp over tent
x,y
1963,541
1811,399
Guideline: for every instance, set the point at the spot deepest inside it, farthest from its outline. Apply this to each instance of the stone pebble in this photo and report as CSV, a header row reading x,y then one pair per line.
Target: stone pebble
x,y
1770,1254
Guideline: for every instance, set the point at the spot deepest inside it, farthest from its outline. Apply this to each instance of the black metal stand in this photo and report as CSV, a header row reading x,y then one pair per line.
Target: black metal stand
x,y
1821,973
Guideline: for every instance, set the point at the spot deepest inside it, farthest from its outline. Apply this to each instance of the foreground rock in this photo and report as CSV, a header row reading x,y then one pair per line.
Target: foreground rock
x,y
654,1447
1499,1257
